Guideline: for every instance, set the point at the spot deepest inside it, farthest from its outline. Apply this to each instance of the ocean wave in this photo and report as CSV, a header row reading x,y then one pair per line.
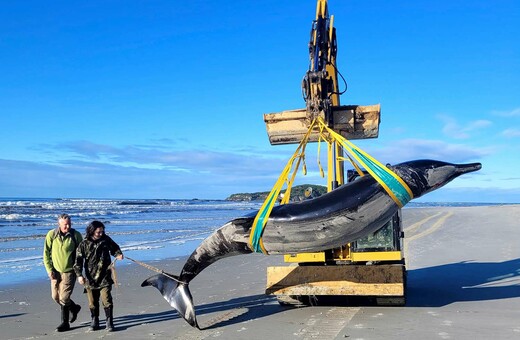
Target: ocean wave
x,y
161,221
22,238
179,238
21,259
138,203
143,247
10,217
161,231
186,232
11,250
187,240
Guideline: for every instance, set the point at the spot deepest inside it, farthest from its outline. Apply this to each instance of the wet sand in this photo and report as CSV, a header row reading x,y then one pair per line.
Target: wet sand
x,y
463,283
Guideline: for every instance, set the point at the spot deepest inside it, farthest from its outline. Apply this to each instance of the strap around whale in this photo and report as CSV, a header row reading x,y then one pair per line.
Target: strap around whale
x,y
396,188
255,235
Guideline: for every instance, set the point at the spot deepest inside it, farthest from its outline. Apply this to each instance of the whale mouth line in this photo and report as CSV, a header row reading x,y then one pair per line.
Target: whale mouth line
x,y
467,168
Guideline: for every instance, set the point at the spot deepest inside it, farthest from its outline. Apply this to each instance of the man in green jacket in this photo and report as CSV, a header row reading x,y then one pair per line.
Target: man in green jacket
x,y
59,255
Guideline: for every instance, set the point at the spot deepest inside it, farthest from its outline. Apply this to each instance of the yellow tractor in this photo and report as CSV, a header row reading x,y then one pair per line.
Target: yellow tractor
x,y
372,267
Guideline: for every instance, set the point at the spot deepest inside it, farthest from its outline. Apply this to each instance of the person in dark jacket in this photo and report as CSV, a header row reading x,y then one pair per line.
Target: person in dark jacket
x,y
93,257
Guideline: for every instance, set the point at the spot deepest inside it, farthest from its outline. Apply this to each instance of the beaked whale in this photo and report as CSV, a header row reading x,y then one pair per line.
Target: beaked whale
x,y
343,215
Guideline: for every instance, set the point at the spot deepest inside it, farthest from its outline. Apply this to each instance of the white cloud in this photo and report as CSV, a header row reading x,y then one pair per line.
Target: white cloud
x,y
511,133
246,160
410,149
478,124
86,169
148,172
101,180
453,129
511,113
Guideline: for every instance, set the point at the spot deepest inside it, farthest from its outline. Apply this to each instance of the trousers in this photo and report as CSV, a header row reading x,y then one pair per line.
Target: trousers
x,y
62,287
104,293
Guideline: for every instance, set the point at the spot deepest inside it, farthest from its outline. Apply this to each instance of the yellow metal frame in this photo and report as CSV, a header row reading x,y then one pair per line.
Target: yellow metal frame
x,y
376,256
371,256
335,159
335,170
305,257
381,281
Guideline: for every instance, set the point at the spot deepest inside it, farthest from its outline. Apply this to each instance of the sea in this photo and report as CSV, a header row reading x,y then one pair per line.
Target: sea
x,y
146,230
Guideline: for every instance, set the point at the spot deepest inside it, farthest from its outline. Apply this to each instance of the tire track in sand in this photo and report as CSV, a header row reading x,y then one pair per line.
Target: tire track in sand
x,y
439,223
418,224
328,326
208,331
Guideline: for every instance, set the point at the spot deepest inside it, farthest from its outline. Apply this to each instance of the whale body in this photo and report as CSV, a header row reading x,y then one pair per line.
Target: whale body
x,y
343,215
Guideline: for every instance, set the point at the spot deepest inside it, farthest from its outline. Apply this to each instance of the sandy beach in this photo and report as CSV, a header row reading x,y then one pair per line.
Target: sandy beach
x,y
463,283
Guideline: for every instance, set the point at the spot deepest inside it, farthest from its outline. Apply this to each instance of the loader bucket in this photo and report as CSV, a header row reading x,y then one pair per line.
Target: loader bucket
x,y
351,121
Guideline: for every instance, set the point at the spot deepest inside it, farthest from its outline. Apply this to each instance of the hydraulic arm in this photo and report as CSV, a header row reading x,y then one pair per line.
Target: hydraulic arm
x,y
320,85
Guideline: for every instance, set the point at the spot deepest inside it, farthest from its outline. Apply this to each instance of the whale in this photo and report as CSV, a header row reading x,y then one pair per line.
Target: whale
x,y
334,219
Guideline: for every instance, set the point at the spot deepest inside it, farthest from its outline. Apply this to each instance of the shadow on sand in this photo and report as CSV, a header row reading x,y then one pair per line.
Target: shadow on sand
x,y
463,281
11,315
248,307
427,287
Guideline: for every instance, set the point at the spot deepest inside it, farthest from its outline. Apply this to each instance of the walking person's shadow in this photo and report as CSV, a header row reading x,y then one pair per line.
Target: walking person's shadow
x,y
251,307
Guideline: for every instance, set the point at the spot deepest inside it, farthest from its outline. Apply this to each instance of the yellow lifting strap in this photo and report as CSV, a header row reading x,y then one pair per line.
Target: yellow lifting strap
x,y
255,236
390,181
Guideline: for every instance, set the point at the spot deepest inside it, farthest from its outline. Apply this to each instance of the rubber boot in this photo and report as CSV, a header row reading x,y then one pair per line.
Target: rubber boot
x,y
64,326
110,319
94,324
74,309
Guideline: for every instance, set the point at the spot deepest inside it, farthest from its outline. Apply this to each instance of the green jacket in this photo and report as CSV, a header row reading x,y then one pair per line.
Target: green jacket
x,y
59,251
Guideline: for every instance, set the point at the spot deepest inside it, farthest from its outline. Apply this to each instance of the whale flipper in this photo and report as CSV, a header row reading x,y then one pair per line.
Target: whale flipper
x,y
177,294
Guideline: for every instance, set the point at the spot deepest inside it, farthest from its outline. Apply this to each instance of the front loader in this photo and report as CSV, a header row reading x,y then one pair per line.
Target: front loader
x,y
371,268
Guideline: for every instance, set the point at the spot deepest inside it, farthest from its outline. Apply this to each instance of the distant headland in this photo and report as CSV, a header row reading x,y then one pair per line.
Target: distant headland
x,y
298,193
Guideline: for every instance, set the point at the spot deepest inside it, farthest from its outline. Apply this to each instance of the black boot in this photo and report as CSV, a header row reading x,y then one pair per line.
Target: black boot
x,y
94,324
74,309
64,326
110,318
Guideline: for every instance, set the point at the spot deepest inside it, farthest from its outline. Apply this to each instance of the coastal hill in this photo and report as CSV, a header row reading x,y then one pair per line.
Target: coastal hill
x,y
297,193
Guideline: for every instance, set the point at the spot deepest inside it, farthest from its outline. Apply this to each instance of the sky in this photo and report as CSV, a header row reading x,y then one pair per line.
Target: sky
x,y
165,99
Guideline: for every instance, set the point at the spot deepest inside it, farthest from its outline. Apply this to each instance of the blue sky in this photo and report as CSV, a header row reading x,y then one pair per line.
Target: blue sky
x,y
165,99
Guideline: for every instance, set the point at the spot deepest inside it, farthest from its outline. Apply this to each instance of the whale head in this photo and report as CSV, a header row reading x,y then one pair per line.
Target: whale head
x,y
424,176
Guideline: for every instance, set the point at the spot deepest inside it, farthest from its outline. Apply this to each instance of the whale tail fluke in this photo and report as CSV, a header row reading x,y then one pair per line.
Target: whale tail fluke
x,y
177,294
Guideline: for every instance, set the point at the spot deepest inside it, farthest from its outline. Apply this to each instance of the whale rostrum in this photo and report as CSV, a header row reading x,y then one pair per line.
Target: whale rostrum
x,y
343,215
